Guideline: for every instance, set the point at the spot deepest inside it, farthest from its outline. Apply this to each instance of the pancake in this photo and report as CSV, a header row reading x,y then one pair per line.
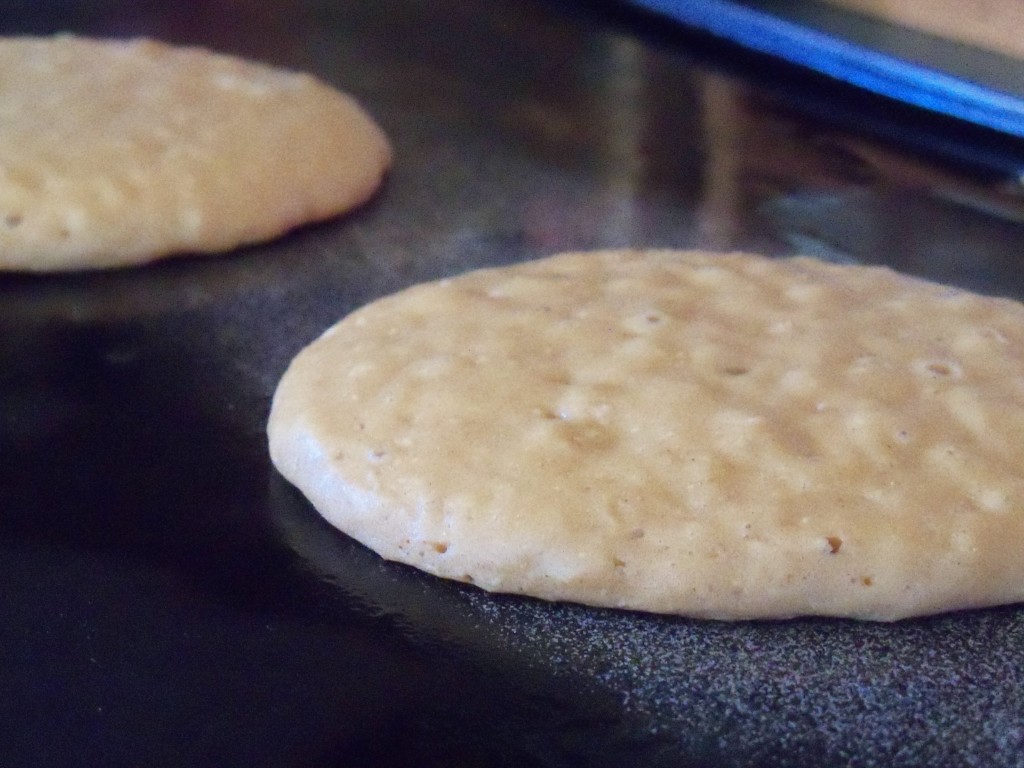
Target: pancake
x,y
721,436
115,153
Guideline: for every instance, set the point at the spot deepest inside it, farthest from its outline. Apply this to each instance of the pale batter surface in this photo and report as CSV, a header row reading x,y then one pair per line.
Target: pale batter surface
x,y
115,153
714,435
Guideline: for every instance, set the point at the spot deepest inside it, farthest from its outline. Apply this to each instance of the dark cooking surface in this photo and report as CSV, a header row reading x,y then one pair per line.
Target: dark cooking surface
x,y
169,601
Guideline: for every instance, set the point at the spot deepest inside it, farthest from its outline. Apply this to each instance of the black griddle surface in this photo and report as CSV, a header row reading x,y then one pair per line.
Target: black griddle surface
x,y
168,600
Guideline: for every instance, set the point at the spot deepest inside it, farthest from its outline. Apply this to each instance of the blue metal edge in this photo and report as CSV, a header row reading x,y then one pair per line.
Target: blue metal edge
x,y
835,56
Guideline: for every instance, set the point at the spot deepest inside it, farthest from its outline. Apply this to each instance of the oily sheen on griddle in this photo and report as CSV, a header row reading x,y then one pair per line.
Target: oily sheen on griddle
x,y
714,435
